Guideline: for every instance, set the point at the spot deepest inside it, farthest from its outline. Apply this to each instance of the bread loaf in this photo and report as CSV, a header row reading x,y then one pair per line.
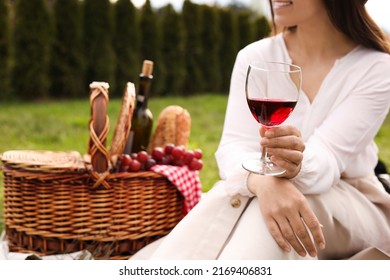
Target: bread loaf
x,y
173,127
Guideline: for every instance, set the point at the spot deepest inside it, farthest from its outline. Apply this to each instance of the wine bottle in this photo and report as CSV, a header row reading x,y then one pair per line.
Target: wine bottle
x,y
142,121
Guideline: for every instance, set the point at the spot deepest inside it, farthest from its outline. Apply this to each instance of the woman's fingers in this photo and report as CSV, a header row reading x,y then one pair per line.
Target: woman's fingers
x,y
290,142
285,147
303,235
295,235
291,235
313,225
279,131
288,137
289,160
290,157
276,233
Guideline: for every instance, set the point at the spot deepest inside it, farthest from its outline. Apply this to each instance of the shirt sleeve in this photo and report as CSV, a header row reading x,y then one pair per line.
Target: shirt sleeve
x,y
240,137
342,144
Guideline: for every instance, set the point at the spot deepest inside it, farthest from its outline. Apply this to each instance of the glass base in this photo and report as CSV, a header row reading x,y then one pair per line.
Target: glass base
x,y
267,168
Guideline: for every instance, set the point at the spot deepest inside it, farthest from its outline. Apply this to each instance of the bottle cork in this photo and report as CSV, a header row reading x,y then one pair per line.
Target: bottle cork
x,y
147,68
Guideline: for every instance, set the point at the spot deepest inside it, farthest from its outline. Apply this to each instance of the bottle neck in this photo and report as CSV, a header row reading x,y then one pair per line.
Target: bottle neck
x,y
143,91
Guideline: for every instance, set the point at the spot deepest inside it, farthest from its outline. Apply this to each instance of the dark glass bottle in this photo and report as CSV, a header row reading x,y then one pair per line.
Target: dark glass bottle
x,y
142,121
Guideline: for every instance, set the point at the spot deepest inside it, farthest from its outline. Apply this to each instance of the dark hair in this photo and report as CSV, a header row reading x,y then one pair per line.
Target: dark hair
x,y
351,18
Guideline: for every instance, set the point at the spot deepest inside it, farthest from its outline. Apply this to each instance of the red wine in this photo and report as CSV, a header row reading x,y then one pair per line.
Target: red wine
x,y
271,112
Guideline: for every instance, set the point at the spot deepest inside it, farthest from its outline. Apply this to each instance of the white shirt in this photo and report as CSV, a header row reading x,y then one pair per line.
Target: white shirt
x,y
338,126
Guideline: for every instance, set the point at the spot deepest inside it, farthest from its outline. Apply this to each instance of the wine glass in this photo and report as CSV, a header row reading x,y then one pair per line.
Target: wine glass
x,y
272,90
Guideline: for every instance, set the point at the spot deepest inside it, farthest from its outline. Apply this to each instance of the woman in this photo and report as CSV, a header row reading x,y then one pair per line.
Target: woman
x,y
329,204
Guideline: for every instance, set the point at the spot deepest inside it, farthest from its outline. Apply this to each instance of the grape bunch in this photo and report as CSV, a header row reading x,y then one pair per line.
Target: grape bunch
x,y
168,155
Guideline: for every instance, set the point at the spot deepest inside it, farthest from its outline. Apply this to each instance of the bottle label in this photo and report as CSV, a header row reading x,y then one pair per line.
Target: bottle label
x,y
140,98
129,143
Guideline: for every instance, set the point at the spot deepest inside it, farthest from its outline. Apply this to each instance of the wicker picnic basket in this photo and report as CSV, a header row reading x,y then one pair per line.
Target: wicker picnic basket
x,y
62,202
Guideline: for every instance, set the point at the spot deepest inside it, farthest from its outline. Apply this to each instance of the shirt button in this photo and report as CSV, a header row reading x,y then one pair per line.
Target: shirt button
x,y
235,202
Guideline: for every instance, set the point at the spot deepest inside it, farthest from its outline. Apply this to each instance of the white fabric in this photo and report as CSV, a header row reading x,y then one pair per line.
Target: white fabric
x,y
5,254
337,175
338,125
354,219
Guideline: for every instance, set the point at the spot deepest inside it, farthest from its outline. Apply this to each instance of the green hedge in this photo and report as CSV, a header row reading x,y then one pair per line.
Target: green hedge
x,y
53,49
5,49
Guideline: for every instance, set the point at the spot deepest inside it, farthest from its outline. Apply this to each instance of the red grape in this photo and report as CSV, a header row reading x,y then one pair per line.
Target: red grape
x,y
168,149
196,164
169,155
178,162
188,156
133,155
135,166
167,160
158,154
142,156
150,163
125,160
198,153
178,152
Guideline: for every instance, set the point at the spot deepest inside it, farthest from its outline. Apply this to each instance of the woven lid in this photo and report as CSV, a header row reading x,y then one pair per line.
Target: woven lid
x,y
44,160
123,124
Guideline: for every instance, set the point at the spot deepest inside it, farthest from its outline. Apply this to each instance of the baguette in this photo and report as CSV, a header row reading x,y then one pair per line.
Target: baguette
x,y
99,126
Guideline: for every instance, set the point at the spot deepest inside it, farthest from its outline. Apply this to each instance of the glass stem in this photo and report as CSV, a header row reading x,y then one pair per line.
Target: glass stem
x,y
263,159
263,154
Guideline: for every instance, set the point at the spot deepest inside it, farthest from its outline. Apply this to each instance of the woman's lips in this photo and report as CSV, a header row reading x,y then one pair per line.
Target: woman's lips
x,y
281,4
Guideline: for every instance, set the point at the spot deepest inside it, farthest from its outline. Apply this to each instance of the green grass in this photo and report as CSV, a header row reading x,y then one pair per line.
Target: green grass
x,y
63,126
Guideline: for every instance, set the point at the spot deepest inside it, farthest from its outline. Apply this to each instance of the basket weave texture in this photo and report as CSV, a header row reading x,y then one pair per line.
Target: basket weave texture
x,y
56,203
55,210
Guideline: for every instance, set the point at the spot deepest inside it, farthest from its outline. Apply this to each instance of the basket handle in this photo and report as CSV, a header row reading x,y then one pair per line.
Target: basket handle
x,y
99,126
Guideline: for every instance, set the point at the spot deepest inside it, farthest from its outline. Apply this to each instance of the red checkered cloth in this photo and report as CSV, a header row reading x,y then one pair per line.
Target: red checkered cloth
x,y
186,181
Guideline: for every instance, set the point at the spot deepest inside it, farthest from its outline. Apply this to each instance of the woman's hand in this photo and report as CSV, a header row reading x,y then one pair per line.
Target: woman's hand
x,y
287,214
285,148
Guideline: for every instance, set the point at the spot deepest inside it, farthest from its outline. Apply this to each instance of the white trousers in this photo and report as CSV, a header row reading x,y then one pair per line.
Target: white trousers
x,y
355,216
